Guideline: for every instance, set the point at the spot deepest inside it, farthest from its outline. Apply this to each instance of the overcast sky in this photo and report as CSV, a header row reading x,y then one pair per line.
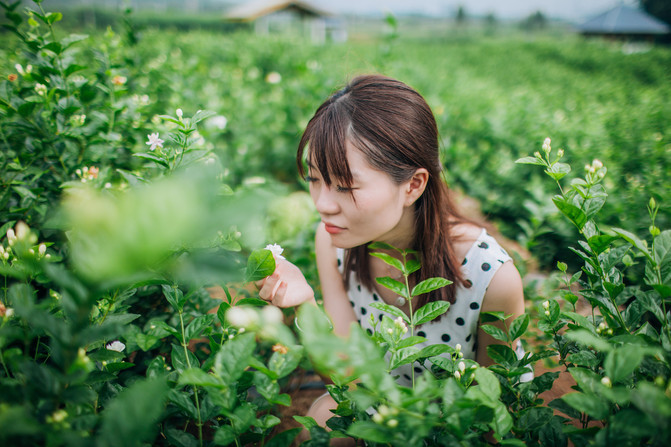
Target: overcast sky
x,y
572,10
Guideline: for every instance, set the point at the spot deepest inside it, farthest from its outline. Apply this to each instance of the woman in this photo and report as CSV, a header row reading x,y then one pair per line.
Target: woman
x,y
374,174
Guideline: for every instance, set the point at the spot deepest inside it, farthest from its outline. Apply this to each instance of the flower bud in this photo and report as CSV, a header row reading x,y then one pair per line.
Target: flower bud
x,y
605,380
377,418
547,313
560,152
546,304
457,375
457,347
390,331
272,315
547,141
11,237
179,113
462,367
392,423
597,164
42,249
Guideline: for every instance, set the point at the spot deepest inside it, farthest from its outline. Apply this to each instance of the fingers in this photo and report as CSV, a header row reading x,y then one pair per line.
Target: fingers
x,y
269,287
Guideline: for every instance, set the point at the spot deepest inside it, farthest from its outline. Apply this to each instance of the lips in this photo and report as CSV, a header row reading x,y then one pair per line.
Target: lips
x,y
333,229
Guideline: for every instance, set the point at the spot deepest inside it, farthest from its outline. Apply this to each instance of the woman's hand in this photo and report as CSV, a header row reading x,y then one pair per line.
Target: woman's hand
x,y
286,287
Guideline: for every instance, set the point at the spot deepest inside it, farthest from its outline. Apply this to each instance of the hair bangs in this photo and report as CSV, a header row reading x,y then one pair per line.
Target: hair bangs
x,y
325,138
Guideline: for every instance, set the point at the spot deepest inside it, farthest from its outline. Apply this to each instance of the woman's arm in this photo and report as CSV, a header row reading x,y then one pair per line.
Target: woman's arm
x,y
336,302
504,294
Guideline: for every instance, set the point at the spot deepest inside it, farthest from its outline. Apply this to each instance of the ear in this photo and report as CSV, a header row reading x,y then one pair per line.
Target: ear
x,y
415,187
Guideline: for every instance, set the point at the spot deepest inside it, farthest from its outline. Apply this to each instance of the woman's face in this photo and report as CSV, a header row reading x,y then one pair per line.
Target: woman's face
x,y
373,209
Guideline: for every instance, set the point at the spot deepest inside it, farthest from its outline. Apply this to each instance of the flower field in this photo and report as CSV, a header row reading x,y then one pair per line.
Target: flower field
x,y
143,170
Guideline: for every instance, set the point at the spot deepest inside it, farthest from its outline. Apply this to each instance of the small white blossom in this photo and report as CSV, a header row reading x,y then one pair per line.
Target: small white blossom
x,y
458,347
154,141
457,375
546,305
42,250
242,317
40,89
116,345
606,381
462,367
547,141
179,114
219,121
11,236
19,69
276,250
9,312
377,418
272,315
597,164
547,313
392,423
273,78
390,331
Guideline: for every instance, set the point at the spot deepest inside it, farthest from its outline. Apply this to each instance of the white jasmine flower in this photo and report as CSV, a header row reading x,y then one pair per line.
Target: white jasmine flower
x,y
154,141
546,305
606,382
458,347
179,114
42,250
9,312
272,315
597,164
377,418
273,78
392,423
219,121
276,250
462,367
11,236
547,141
390,331
242,317
40,89
19,68
457,375
547,313
116,345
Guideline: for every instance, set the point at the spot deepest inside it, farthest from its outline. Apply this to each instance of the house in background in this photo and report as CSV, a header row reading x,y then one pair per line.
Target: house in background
x,y
625,23
270,16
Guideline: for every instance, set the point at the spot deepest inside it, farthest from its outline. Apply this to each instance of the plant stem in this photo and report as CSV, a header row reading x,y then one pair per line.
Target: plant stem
x,y
195,388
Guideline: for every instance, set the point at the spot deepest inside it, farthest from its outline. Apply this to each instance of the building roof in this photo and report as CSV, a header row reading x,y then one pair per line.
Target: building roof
x,y
250,11
624,20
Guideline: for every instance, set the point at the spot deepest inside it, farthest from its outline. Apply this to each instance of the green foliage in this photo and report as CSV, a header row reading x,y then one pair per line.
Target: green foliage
x,y
116,216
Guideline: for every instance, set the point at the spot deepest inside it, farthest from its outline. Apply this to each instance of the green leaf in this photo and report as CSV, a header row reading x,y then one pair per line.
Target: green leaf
x,y
412,341
412,266
622,361
196,376
558,170
224,436
284,364
519,326
179,359
389,260
56,47
232,359
600,243
588,339
583,358
635,241
430,311
27,108
381,246
502,354
488,317
590,404
197,326
369,431
284,438
531,161
488,383
495,332
53,17
130,419
395,286
395,311
429,285
260,264
154,158
572,212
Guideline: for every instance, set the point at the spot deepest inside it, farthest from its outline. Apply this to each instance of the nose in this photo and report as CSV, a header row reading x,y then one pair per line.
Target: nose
x,y
325,200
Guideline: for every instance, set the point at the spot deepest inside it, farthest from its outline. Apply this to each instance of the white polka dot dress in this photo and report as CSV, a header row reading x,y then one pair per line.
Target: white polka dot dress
x,y
460,324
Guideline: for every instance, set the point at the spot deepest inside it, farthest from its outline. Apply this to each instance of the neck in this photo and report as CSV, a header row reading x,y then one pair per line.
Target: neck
x,y
403,236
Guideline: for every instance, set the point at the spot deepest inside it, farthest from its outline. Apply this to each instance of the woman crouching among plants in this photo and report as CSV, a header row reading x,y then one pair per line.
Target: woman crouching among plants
x,y
374,175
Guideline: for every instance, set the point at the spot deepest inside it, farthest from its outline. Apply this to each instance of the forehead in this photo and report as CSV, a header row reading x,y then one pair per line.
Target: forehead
x,y
356,161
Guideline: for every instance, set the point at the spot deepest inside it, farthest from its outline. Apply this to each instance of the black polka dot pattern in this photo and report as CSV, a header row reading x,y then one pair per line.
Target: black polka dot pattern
x,y
375,297
484,245
418,370
468,283
460,321
474,306
421,334
339,262
352,303
446,338
464,261
485,267
363,311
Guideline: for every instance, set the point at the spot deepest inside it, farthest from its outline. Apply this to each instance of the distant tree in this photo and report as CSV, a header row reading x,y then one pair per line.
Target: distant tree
x,y
490,20
460,17
658,8
534,22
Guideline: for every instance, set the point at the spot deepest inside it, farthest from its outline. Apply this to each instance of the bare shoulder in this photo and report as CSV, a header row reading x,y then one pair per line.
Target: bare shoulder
x,y
463,236
505,292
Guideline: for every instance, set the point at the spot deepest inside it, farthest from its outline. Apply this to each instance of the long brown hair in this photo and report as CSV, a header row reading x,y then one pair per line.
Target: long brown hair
x,y
393,126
